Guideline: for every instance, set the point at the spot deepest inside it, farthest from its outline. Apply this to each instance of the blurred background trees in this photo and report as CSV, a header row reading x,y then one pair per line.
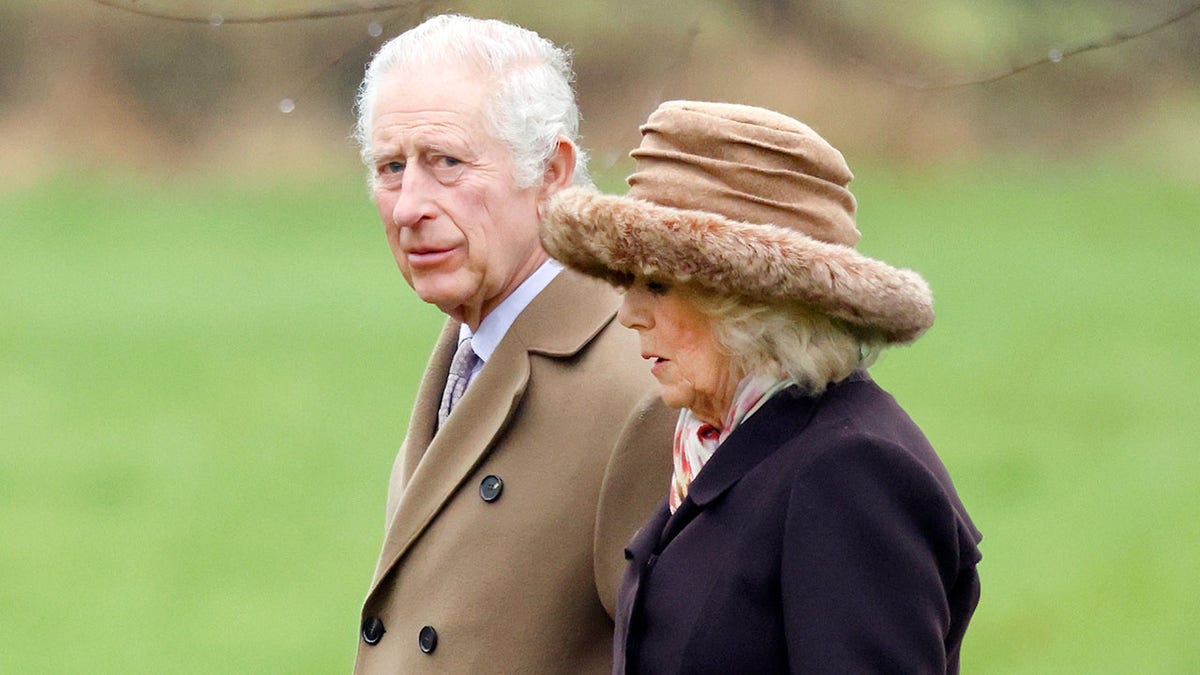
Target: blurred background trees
x,y
206,350
97,85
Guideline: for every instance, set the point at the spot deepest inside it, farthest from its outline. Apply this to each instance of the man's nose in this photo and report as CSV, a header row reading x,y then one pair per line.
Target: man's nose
x,y
414,202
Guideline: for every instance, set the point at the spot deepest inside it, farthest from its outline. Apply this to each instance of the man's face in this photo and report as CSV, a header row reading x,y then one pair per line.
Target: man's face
x,y
462,234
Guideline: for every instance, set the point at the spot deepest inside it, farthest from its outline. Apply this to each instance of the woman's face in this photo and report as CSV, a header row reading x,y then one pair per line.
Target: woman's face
x,y
684,355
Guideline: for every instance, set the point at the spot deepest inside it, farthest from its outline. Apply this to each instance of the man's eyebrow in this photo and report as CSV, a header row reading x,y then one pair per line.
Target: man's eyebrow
x,y
386,152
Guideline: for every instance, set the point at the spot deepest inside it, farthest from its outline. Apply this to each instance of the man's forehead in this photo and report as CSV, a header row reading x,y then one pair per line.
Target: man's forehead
x,y
439,97
446,80
418,132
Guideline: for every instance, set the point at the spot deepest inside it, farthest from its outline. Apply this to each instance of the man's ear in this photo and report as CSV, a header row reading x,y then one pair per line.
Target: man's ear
x,y
560,170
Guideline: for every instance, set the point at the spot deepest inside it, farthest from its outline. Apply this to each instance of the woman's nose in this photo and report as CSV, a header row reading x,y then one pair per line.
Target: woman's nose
x,y
633,312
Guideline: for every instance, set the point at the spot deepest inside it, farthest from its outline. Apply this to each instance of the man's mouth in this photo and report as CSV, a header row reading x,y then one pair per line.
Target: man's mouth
x,y
428,257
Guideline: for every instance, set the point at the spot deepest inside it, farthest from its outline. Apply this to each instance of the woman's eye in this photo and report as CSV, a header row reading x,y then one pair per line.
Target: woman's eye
x,y
657,287
393,167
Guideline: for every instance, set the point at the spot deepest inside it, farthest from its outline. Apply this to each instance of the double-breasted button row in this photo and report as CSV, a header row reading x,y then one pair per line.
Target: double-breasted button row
x,y
427,639
490,488
373,630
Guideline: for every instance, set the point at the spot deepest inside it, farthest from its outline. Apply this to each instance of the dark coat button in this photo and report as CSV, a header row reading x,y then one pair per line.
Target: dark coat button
x,y
628,554
490,488
427,640
372,630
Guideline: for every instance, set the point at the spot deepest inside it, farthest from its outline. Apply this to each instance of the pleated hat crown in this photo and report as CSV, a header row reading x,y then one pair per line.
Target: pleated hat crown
x,y
747,164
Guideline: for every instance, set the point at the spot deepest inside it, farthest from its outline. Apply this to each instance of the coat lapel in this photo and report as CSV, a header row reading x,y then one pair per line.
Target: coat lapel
x,y
423,422
759,436
432,467
452,454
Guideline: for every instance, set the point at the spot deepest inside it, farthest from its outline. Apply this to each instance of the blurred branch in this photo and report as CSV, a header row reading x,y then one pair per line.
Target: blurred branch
x,y
1055,55
216,18
354,7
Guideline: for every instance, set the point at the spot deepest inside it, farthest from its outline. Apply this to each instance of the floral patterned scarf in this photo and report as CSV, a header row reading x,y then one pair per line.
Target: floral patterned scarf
x,y
696,441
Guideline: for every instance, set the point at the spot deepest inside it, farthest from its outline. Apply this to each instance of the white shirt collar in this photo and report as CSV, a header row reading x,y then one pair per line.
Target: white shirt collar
x,y
493,327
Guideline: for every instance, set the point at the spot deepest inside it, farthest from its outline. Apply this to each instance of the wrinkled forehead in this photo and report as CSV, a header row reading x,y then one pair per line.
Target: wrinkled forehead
x,y
437,86
431,98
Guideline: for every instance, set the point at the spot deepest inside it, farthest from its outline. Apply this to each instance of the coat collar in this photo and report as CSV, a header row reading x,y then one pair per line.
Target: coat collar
x,y
754,440
571,311
558,323
757,438
781,418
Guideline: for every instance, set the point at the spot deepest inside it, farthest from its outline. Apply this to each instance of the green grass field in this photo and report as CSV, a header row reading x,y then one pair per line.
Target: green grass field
x,y
202,386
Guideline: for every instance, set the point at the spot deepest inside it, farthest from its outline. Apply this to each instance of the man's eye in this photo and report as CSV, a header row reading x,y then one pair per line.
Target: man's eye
x,y
448,170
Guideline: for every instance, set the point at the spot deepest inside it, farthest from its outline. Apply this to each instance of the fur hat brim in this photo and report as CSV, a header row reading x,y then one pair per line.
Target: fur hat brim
x,y
620,239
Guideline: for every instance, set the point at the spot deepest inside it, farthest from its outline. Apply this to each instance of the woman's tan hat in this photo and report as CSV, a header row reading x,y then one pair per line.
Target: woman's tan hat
x,y
740,201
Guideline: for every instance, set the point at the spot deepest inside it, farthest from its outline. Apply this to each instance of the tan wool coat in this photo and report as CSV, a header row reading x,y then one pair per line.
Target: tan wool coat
x,y
565,416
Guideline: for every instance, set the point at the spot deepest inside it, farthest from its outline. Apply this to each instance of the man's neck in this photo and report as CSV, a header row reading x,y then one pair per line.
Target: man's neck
x,y
488,333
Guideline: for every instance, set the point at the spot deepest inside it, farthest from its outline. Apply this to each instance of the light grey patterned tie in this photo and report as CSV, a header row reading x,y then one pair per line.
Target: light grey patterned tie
x,y
456,382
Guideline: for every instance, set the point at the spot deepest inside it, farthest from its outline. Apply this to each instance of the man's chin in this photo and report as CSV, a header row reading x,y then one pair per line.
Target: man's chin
x,y
437,294
452,300
452,306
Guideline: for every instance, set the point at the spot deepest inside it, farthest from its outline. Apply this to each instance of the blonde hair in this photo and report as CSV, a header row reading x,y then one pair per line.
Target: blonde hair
x,y
811,348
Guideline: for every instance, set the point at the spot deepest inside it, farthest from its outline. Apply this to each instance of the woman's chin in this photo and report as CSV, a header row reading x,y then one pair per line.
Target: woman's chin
x,y
673,399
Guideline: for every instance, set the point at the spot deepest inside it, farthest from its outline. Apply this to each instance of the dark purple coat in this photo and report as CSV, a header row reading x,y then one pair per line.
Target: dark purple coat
x,y
824,536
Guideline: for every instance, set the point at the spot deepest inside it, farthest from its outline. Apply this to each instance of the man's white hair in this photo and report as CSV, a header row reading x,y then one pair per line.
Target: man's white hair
x,y
532,104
